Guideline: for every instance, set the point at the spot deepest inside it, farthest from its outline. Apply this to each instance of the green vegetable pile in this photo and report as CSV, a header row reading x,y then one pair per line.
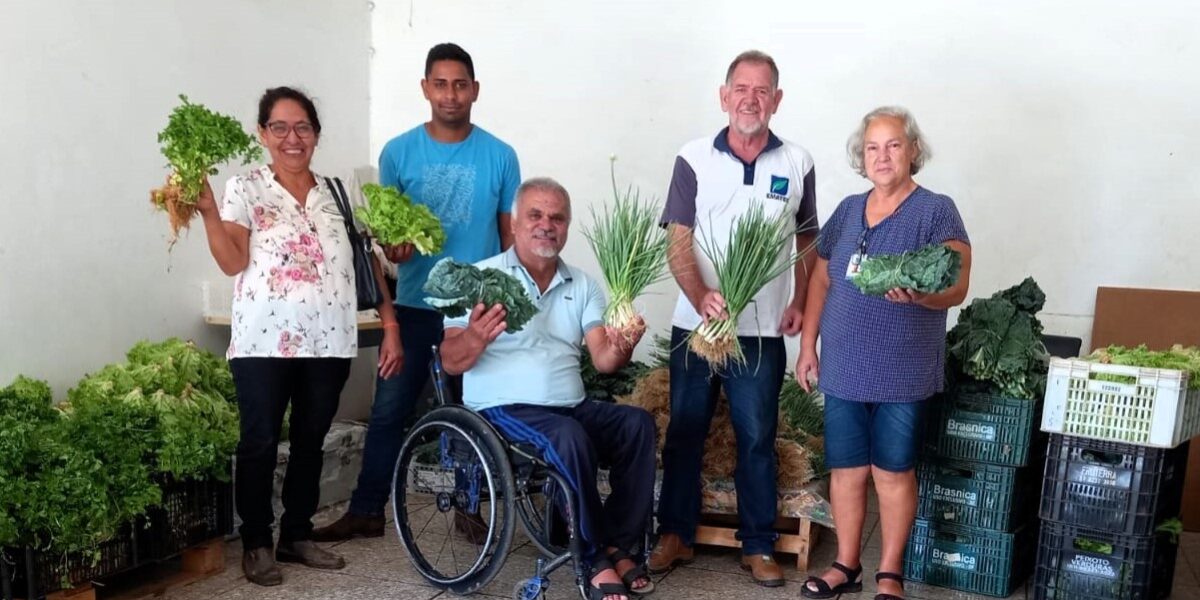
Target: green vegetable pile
x,y
195,141
456,288
997,343
929,270
607,387
1177,358
73,475
802,418
393,218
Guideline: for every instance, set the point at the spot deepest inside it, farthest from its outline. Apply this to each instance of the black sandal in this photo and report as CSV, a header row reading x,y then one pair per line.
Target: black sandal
x,y
632,575
599,592
893,577
852,584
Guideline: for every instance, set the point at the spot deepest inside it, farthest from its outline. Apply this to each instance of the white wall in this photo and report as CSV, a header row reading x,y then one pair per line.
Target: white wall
x,y
84,268
1065,131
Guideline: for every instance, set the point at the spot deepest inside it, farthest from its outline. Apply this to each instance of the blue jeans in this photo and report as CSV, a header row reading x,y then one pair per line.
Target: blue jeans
x,y
392,411
884,434
753,391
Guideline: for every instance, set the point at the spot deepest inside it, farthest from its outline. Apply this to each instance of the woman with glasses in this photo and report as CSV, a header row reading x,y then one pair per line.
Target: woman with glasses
x,y
279,231
881,358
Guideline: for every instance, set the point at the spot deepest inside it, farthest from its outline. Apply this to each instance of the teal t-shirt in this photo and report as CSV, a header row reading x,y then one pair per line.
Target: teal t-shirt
x,y
466,184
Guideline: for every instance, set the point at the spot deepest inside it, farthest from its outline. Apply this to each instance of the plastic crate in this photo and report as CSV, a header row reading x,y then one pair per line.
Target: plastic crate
x,y
984,427
969,559
1129,568
191,512
33,574
1112,487
976,494
1154,408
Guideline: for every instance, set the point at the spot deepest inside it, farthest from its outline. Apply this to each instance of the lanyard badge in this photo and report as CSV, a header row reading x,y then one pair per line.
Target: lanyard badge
x,y
856,259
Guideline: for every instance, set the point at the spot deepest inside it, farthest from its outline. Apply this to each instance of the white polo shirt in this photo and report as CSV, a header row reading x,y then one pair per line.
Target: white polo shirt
x,y
711,187
540,364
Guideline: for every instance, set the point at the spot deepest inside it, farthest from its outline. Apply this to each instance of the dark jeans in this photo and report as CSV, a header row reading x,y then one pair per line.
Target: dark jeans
x,y
264,388
575,441
753,391
393,408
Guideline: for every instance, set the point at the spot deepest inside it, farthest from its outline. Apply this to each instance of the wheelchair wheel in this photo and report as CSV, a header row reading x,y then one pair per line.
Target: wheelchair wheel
x,y
453,500
538,505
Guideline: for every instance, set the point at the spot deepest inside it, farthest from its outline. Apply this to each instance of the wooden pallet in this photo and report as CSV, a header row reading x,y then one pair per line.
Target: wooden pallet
x,y
717,530
197,562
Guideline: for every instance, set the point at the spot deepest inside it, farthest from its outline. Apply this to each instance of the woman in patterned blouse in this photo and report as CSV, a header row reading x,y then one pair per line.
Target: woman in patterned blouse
x,y
278,230
881,358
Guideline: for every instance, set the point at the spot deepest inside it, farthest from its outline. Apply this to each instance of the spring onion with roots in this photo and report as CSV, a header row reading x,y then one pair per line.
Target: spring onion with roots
x,y
195,141
754,255
632,251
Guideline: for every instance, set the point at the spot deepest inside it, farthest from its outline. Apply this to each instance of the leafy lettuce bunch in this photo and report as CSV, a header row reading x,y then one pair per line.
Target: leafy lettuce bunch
x,y
393,218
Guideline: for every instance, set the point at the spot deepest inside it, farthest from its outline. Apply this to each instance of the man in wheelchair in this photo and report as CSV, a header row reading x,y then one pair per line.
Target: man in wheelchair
x,y
528,386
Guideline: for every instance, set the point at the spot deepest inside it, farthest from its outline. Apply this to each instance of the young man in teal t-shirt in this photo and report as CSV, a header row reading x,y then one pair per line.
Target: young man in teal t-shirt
x,y
468,178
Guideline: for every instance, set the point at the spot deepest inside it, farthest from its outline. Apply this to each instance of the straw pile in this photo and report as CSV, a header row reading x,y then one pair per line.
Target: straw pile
x,y
794,449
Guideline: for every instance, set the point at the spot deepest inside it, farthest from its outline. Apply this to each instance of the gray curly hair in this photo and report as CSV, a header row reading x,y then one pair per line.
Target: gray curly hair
x,y
854,146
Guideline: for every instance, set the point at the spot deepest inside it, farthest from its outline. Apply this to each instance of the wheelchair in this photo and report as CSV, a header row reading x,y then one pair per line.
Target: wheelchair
x,y
459,487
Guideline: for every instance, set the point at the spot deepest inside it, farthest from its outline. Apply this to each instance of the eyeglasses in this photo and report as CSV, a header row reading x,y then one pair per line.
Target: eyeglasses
x,y
281,130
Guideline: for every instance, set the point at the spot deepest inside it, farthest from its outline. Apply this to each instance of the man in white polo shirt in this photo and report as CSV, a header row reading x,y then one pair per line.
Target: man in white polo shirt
x,y
716,179
528,385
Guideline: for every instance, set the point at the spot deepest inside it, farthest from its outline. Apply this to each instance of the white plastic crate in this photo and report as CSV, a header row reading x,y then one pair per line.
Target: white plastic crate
x,y
1158,410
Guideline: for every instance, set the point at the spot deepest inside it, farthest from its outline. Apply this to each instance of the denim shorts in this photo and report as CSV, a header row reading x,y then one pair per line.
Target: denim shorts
x,y
884,434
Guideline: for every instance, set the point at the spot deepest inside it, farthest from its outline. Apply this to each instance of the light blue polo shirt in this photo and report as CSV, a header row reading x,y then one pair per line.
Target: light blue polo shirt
x,y
540,364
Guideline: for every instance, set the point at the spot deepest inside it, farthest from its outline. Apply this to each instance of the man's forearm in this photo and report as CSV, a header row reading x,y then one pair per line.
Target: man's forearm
x,y
804,268
682,260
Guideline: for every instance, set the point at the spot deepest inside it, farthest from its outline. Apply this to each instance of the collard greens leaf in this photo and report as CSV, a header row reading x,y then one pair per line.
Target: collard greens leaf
x,y
455,288
928,270
997,342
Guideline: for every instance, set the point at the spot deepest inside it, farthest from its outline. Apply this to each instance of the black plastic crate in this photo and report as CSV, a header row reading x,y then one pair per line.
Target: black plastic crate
x,y
192,512
969,559
1120,488
29,573
1084,564
976,494
984,427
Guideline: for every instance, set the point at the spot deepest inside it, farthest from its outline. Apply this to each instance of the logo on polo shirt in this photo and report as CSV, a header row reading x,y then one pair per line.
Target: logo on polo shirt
x,y
779,188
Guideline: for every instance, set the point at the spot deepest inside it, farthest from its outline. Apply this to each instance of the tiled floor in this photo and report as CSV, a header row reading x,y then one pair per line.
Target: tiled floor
x,y
379,568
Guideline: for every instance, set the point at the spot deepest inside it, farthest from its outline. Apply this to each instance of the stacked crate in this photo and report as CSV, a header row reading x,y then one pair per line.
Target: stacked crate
x,y
1113,480
975,528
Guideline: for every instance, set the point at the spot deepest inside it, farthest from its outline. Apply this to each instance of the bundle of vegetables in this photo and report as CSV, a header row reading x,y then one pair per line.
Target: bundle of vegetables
x,y
1177,358
195,141
751,257
997,342
393,218
632,252
456,288
929,270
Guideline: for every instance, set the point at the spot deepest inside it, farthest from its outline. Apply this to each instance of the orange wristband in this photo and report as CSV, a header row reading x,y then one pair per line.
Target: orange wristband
x,y
396,325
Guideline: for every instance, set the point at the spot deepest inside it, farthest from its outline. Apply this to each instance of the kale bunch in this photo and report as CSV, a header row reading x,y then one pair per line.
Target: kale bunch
x,y
455,288
928,270
997,342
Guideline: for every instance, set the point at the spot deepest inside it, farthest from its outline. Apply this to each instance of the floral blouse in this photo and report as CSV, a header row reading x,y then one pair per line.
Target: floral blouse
x,y
296,298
